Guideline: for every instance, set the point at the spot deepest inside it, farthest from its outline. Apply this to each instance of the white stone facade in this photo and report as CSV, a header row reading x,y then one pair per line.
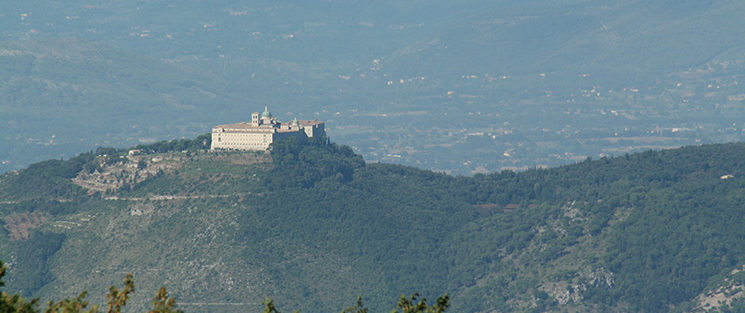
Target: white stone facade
x,y
262,131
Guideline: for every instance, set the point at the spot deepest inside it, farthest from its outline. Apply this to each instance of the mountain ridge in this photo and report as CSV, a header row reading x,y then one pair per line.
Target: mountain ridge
x,y
598,235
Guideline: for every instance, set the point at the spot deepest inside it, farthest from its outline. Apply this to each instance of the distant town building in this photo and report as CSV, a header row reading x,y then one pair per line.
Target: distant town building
x,y
262,131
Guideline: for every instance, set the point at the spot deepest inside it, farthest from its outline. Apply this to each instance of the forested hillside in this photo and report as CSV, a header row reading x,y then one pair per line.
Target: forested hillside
x,y
312,226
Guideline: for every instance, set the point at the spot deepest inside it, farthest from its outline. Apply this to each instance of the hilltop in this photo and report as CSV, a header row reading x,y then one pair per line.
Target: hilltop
x,y
312,225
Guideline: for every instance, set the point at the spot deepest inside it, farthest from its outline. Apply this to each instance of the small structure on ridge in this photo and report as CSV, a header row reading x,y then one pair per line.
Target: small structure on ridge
x,y
262,131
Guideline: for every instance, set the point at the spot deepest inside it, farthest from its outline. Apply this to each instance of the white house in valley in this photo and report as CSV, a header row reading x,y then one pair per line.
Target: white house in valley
x,y
262,131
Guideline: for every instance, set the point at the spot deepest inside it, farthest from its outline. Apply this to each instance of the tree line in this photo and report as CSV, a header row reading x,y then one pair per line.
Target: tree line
x,y
162,303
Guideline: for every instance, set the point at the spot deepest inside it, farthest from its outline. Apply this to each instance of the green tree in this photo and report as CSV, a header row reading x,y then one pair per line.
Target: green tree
x,y
13,303
163,304
411,305
270,308
76,305
117,299
357,308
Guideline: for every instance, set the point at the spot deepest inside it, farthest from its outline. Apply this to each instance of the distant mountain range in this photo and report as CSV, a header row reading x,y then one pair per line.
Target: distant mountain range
x,y
313,226
462,87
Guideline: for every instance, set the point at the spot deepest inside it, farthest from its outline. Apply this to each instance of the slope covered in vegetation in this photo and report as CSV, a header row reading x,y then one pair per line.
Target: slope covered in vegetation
x,y
312,226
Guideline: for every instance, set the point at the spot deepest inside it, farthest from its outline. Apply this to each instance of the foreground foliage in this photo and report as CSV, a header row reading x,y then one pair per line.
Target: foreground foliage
x,y
13,303
10,303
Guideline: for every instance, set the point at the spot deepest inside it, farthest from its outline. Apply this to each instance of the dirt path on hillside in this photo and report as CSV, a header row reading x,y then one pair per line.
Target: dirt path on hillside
x,y
178,197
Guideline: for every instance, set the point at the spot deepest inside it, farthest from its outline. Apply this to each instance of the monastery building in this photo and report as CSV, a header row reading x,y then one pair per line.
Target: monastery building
x,y
262,131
